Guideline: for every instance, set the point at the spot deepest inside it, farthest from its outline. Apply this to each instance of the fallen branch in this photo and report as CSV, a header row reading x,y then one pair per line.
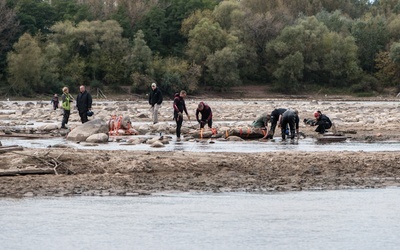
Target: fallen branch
x,y
10,149
26,171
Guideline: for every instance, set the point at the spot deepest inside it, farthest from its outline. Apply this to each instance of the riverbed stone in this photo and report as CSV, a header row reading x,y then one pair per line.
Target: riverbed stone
x,y
98,138
82,132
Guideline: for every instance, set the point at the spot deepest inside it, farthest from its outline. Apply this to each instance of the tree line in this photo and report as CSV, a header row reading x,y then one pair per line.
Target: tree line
x,y
290,45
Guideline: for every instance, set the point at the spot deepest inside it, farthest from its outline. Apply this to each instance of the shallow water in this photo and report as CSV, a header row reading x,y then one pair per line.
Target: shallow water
x,y
308,144
346,219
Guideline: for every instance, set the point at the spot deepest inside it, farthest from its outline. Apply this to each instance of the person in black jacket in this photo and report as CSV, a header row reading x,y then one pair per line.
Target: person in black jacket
x,y
206,115
274,118
83,103
179,107
321,121
155,100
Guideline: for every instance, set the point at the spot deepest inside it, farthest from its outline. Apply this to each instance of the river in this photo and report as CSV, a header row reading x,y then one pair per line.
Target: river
x,y
345,219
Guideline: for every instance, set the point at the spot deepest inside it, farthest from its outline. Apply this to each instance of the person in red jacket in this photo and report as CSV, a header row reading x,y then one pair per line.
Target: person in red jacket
x,y
206,115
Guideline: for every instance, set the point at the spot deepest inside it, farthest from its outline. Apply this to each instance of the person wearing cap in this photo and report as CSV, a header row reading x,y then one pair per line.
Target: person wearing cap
x,y
155,100
206,115
321,121
291,118
83,103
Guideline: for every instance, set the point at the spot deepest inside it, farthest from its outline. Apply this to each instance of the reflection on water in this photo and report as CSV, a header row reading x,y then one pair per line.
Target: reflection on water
x,y
308,144
347,219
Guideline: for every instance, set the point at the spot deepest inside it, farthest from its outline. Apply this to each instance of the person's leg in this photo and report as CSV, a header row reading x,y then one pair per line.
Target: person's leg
x,y
65,118
283,128
320,129
292,128
179,121
83,116
155,113
210,123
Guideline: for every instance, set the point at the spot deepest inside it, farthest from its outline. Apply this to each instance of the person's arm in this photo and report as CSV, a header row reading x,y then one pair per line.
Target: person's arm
x,y
210,115
160,97
89,101
197,115
184,109
175,106
279,121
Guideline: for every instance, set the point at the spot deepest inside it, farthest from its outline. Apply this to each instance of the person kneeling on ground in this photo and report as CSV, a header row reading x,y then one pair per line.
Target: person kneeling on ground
x,y
322,121
206,115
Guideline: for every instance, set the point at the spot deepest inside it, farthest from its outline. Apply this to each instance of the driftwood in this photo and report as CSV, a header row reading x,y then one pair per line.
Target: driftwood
x,y
53,166
26,171
5,149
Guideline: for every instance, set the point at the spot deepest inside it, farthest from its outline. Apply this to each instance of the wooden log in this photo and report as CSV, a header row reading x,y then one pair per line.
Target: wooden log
x,y
9,149
27,171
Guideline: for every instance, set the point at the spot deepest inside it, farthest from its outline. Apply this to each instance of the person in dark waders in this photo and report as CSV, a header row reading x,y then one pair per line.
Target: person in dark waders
x,y
179,107
291,118
322,122
274,118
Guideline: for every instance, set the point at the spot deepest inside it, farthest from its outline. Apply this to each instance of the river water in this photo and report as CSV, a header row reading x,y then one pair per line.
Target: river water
x,y
307,144
346,219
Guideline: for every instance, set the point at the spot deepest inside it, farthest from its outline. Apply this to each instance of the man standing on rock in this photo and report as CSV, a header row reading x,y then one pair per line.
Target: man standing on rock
x,y
179,107
206,115
66,100
155,100
83,103
291,118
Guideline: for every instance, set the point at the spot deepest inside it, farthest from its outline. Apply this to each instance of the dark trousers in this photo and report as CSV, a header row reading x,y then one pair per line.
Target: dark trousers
x,y
83,115
322,127
65,117
291,121
203,123
179,121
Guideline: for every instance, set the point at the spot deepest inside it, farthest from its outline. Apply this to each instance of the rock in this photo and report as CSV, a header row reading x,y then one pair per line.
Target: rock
x,y
48,127
157,144
98,138
82,132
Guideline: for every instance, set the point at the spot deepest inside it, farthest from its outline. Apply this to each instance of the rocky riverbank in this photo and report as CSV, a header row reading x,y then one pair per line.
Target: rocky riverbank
x,y
120,172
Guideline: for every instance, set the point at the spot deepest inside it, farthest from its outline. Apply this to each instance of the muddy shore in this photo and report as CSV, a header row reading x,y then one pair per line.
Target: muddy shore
x,y
120,172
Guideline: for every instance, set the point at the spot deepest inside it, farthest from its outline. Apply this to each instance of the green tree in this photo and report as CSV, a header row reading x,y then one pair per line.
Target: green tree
x,y
96,46
371,37
35,16
8,34
222,69
25,63
289,73
328,58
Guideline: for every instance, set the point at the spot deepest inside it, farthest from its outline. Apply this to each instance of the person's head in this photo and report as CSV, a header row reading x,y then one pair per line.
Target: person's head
x,y
55,95
200,106
268,118
317,114
153,85
82,88
182,94
65,89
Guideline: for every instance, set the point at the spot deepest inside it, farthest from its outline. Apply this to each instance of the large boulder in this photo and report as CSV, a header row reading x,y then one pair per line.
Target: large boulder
x,y
82,132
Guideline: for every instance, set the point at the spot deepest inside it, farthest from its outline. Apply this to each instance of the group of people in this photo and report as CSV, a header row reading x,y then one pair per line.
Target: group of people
x,y
83,104
288,121
155,100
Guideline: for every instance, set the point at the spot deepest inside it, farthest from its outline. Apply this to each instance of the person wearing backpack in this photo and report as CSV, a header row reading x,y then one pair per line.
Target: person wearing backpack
x,y
66,100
